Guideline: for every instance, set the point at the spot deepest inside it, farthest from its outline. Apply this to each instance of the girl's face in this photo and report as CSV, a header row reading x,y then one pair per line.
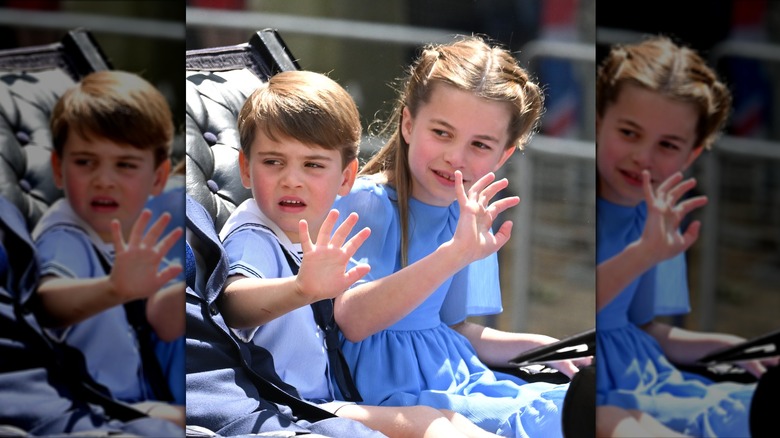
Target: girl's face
x,y
642,130
291,181
455,130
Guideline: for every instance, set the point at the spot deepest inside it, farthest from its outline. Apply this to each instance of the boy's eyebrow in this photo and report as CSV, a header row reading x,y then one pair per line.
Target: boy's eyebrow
x,y
308,157
480,136
120,157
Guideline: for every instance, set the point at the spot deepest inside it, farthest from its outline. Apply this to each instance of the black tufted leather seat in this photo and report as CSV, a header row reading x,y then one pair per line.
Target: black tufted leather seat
x,y
31,81
218,82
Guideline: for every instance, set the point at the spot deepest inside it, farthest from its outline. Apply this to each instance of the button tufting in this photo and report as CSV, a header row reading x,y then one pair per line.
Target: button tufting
x,y
23,137
212,186
210,138
25,185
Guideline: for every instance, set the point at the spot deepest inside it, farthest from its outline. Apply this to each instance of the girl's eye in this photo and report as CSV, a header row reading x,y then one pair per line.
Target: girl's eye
x,y
628,133
480,145
440,133
668,145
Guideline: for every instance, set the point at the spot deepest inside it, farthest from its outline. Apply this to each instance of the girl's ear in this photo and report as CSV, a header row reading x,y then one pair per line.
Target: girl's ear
x,y
695,153
348,177
56,167
406,124
505,156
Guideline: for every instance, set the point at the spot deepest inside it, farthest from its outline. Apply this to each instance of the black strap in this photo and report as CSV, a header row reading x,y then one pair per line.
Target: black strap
x,y
136,317
323,315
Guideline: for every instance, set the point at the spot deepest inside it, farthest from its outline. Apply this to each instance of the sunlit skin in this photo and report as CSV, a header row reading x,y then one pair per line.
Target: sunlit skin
x,y
104,180
643,130
455,130
291,181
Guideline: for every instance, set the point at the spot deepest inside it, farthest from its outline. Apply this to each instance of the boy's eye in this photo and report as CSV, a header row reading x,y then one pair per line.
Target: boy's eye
x,y
270,162
125,165
82,161
315,165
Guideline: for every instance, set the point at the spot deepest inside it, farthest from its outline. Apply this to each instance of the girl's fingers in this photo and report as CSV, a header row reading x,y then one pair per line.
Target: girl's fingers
x,y
675,193
492,190
691,234
670,182
460,191
647,187
481,183
691,204
503,234
502,205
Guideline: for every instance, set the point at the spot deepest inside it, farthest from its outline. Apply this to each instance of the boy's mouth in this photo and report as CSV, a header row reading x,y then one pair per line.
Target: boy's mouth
x,y
289,204
104,204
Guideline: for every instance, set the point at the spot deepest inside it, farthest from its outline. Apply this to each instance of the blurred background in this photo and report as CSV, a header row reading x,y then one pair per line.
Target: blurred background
x,y
548,276
142,37
734,267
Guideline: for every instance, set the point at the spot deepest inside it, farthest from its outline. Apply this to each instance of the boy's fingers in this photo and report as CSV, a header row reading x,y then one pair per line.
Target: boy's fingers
x,y
356,241
327,227
116,235
168,241
136,233
341,233
303,235
156,230
356,273
169,273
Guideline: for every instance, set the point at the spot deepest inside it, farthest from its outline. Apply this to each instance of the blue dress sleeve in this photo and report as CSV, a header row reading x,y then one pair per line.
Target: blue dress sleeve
x,y
663,290
475,291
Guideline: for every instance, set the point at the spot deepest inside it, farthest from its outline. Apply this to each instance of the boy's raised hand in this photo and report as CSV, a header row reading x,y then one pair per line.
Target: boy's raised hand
x,y
662,236
323,272
473,234
136,262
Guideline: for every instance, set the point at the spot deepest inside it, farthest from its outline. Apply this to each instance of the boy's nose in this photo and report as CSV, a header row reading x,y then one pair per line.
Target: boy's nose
x,y
290,178
104,177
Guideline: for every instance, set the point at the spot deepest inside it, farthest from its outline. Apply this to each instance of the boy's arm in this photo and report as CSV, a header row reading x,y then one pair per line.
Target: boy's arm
x,y
251,302
67,301
375,305
165,311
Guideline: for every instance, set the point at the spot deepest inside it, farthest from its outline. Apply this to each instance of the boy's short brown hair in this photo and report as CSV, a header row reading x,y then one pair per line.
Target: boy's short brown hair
x,y
307,106
116,105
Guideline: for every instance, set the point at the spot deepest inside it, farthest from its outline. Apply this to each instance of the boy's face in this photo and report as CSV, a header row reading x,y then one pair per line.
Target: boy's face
x,y
455,130
642,130
104,180
291,181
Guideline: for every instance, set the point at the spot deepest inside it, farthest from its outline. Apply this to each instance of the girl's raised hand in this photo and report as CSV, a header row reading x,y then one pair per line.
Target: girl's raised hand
x,y
662,236
323,272
473,235
136,273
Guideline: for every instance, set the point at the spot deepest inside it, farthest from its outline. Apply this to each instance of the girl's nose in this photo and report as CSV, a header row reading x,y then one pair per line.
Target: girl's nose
x,y
455,156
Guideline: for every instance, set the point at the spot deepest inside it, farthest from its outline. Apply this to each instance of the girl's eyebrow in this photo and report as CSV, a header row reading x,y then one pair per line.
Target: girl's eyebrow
x,y
452,128
637,127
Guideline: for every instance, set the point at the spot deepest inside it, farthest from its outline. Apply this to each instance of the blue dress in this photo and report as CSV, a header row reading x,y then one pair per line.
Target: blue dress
x,y
632,370
420,359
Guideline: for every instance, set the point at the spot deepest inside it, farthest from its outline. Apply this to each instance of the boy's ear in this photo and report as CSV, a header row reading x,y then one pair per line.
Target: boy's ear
x,y
243,167
161,177
56,169
348,177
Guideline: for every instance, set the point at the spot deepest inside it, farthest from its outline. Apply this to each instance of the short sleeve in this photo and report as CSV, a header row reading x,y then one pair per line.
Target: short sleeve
x,y
663,290
475,291
67,253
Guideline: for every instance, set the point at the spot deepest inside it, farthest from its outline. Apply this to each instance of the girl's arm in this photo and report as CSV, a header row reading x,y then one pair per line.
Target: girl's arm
x,y
163,311
495,348
661,238
686,346
372,306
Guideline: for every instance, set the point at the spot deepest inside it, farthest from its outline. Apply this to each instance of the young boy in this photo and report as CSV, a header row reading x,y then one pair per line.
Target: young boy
x,y
299,137
39,394
100,269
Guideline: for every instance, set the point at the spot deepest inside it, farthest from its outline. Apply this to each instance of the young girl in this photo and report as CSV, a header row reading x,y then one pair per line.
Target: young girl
x,y
426,196
658,107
